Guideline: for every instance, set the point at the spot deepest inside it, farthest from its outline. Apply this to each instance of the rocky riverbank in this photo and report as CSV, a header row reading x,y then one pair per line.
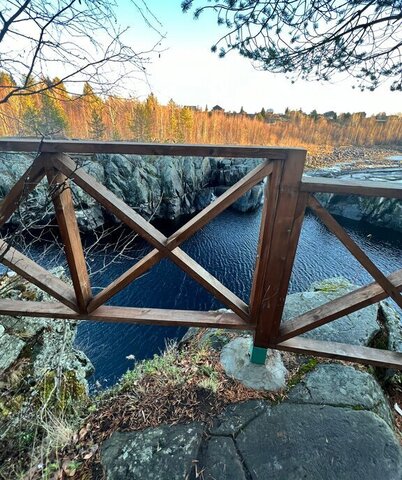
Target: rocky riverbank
x,y
378,211
354,157
43,378
171,187
156,187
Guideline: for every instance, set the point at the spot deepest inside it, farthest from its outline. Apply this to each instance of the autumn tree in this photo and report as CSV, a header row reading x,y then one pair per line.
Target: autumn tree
x,y
81,38
313,39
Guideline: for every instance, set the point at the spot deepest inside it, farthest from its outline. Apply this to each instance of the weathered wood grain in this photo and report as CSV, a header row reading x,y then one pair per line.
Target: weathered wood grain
x,y
283,229
34,273
90,146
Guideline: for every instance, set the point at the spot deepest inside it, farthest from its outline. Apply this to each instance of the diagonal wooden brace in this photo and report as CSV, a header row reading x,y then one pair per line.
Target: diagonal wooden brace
x,y
25,185
337,308
354,249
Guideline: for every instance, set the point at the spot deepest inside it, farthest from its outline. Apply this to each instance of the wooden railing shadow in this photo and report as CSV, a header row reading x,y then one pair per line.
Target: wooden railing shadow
x,y
287,196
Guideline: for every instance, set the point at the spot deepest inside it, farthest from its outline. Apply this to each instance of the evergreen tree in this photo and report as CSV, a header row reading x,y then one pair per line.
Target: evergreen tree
x,y
30,118
186,123
53,120
97,128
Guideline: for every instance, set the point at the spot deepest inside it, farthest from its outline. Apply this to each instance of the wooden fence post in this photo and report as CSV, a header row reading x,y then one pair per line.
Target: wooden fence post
x,y
281,222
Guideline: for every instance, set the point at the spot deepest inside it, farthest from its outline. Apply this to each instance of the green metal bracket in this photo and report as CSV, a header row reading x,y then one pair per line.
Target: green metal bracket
x,y
258,355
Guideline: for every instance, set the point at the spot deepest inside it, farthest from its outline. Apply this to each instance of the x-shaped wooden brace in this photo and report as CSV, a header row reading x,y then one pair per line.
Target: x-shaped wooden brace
x,y
164,247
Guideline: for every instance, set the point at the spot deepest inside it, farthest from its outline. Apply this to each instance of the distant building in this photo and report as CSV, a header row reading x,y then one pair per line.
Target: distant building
x,y
194,108
218,108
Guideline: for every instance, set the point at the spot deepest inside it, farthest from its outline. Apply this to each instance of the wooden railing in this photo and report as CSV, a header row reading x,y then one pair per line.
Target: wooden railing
x,y
286,198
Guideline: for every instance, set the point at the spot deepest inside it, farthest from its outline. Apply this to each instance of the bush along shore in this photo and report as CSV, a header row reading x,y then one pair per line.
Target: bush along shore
x,y
190,414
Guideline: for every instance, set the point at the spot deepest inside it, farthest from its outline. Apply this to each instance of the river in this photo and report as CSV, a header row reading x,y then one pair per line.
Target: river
x,y
226,247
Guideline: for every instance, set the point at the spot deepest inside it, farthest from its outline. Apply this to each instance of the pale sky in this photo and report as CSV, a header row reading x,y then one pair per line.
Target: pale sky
x,y
191,74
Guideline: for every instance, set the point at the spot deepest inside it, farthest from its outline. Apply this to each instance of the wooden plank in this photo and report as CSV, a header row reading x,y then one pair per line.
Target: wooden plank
x,y
60,192
148,316
351,187
197,222
34,273
22,188
354,249
278,261
349,303
90,146
342,351
132,219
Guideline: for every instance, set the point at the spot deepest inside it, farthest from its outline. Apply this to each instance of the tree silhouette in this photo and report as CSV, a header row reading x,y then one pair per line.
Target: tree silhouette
x,y
314,39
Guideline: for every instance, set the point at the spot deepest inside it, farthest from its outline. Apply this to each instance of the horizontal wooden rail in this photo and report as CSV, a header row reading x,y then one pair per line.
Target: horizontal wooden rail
x,y
83,146
351,187
337,308
342,351
177,318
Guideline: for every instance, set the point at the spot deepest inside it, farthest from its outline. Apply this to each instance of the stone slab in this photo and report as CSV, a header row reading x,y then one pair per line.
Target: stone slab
x,y
161,453
236,416
312,442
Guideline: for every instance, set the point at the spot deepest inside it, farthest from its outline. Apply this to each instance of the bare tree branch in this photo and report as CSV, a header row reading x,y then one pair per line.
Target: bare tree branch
x,y
75,40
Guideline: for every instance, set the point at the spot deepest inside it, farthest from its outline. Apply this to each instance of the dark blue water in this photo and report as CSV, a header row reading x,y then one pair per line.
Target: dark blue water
x,y
226,248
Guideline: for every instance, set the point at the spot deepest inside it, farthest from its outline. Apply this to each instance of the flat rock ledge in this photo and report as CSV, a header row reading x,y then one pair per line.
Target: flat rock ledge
x,y
318,432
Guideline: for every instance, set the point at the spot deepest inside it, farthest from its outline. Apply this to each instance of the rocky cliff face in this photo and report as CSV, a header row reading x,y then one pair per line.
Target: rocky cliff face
x,y
378,211
157,187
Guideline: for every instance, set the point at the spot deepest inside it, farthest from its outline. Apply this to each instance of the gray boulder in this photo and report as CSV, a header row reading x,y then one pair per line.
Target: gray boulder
x,y
10,349
342,386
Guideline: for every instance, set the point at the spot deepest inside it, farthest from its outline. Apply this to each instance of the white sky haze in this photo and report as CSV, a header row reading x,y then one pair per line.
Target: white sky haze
x,y
191,74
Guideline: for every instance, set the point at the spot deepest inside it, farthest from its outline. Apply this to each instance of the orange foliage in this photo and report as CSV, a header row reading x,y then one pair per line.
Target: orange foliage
x,y
129,119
